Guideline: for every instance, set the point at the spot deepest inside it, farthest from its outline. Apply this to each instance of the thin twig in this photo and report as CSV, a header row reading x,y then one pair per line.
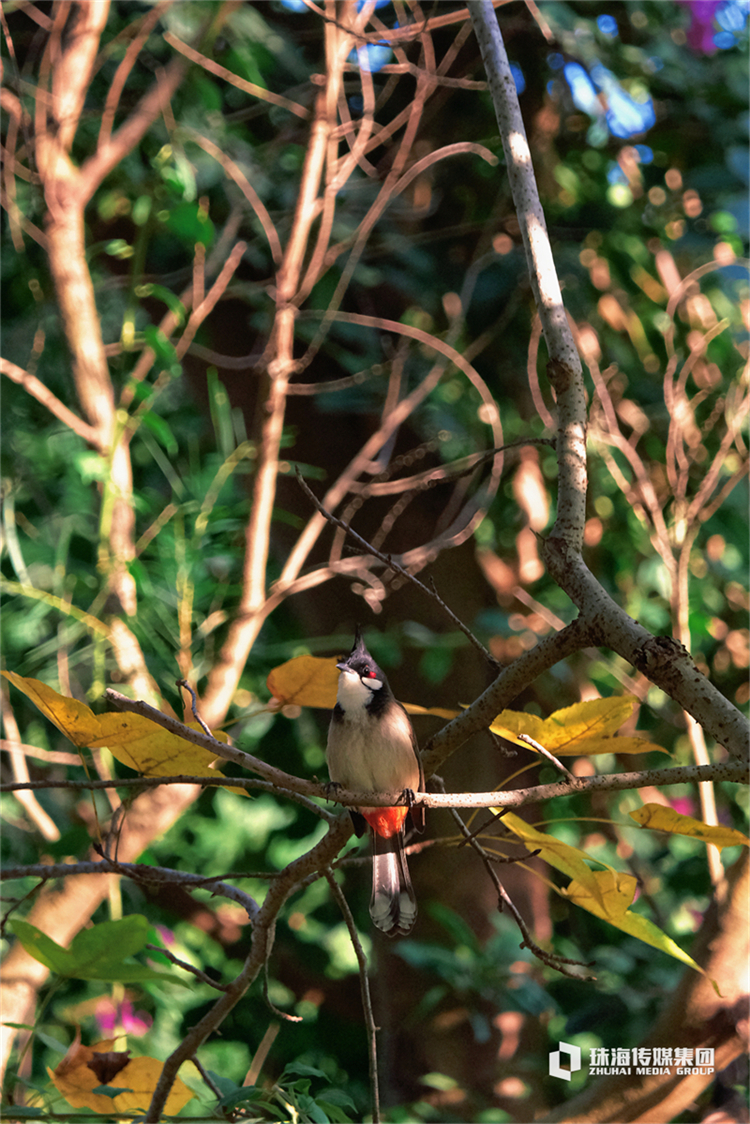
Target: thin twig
x,y
388,561
364,987
251,88
546,753
199,975
206,1077
184,683
561,964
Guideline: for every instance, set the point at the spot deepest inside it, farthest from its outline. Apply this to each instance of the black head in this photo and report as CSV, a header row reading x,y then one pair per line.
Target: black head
x,y
362,682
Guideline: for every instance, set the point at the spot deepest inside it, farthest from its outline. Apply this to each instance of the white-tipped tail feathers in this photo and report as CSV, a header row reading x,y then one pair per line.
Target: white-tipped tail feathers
x,y
393,905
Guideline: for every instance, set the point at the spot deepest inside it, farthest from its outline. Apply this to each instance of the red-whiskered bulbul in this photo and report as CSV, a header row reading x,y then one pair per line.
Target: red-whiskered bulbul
x,y
372,748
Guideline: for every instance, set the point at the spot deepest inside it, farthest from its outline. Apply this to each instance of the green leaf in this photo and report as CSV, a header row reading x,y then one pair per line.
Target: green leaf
x,y
161,346
191,224
94,954
48,1041
299,1069
337,1096
335,1114
111,1091
161,292
161,430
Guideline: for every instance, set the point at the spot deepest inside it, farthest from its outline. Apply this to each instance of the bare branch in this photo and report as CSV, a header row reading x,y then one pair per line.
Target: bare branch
x,y
247,189
364,987
388,561
234,79
564,366
38,390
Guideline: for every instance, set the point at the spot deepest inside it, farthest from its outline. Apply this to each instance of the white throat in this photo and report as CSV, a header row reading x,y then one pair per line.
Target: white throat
x,y
353,694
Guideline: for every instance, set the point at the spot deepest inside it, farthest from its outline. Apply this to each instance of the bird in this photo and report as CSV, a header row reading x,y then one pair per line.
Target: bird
x,y
372,747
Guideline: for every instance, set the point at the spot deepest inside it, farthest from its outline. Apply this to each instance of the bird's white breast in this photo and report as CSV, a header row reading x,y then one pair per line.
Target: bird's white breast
x,y
370,753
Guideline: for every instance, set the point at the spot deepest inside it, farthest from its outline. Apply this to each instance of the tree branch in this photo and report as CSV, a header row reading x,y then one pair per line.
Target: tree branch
x,y
33,386
663,660
317,859
564,366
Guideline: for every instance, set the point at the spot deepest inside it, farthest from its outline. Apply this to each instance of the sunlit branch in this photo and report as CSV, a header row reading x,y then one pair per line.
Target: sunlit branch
x,y
235,172
564,366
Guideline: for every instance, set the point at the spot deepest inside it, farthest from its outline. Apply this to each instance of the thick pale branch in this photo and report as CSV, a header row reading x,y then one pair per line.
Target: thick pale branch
x,y
729,771
564,363
279,360
73,70
662,659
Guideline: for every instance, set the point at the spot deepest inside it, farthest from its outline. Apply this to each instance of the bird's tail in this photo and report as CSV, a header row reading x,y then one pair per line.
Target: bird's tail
x,y
393,905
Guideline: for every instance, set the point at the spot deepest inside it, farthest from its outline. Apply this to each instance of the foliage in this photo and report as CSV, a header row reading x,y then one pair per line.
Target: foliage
x,y
373,330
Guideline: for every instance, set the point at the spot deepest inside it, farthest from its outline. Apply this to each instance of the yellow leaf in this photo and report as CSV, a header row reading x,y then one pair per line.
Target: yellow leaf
x,y
590,746
569,860
76,1081
582,730
616,892
614,895
656,817
73,719
142,745
607,894
437,711
132,739
594,718
510,723
305,681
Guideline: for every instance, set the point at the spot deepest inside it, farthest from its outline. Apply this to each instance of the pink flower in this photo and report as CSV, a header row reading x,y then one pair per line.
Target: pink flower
x,y
685,805
700,34
121,1018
